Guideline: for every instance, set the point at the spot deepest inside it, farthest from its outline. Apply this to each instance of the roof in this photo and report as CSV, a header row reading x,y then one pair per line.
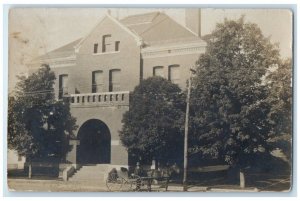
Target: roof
x,y
154,28
64,51
139,18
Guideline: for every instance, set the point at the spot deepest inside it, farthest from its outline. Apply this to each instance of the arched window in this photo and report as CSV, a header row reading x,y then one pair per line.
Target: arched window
x,y
115,80
158,71
174,73
97,81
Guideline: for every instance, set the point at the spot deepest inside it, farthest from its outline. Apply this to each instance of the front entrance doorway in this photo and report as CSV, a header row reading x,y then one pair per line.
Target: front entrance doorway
x,y
95,141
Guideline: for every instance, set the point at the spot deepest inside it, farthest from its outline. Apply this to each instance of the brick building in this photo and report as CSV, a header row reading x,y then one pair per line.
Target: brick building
x,y
99,70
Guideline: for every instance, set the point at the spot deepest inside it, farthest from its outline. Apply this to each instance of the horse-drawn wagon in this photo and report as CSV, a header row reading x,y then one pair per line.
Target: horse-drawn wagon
x,y
151,180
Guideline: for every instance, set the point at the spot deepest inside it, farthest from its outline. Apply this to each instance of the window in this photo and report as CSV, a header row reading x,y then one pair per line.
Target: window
x,y
117,46
114,80
63,83
19,157
95,48
158,71
174,74
105,43
97,81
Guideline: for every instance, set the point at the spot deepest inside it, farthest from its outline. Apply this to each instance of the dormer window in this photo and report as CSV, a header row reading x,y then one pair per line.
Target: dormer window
x,y
106,42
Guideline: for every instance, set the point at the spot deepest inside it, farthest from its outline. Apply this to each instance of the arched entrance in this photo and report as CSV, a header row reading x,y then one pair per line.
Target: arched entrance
x,y
95,143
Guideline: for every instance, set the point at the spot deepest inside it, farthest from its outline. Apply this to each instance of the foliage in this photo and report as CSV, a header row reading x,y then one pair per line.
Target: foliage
x,y
38,125
229,100
279,81
153,127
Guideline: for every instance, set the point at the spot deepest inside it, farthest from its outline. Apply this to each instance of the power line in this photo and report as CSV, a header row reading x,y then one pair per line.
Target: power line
x,y
41,91
85,88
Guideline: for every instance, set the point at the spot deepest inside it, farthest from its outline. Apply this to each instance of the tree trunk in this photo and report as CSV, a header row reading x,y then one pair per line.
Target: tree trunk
x,y
29,170
242,179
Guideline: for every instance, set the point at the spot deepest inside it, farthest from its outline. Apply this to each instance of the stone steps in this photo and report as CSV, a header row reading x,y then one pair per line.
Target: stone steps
x,y
92,173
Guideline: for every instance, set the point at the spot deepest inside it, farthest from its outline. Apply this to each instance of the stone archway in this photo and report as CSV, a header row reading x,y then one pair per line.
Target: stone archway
x,y
95,143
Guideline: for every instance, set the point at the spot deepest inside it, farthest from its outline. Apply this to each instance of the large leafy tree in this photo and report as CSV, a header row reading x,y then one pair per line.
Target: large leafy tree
x,y
229,98
280,83
39,126
153,127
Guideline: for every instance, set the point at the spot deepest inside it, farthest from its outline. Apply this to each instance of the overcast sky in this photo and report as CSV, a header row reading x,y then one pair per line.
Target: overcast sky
x,y
35,31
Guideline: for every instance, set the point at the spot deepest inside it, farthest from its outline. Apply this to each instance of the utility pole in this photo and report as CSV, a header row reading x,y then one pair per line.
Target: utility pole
x,y
186,132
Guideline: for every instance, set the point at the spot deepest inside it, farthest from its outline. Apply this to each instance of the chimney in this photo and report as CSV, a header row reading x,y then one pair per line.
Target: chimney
x,y
193,20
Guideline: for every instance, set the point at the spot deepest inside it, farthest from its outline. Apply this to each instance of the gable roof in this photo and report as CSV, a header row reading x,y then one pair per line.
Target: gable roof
x,y
136,37
139,18
68,47
157,26
64,51
151,29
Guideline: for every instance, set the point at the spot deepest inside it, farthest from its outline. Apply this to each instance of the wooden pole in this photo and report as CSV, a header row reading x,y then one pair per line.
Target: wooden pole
x,y
186,132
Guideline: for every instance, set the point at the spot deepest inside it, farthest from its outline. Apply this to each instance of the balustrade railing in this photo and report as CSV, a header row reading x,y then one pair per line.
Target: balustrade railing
x,y
103,98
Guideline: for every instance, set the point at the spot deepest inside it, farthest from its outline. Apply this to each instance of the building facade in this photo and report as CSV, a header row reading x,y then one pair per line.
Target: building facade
x,y
99,71
15,161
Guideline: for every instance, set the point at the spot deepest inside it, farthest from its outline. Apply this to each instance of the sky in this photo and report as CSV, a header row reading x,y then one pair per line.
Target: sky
x,y
36,31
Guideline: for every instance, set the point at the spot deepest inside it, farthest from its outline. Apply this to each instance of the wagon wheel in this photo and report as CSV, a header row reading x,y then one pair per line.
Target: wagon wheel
x,y
135,182
114,182
127,185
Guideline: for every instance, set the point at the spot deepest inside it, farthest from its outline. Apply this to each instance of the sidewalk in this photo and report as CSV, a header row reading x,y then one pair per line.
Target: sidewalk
x,y
62,186
54,186
40,185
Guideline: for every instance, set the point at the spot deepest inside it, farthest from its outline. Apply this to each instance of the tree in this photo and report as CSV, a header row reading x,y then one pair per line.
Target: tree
x,y
229,99
280,83
39,126
153,127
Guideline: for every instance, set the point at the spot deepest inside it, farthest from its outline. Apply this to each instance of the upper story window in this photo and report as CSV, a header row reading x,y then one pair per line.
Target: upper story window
x,y
115,80
174,74
158,71
95,48
97,81
106,43
63,85
117,46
